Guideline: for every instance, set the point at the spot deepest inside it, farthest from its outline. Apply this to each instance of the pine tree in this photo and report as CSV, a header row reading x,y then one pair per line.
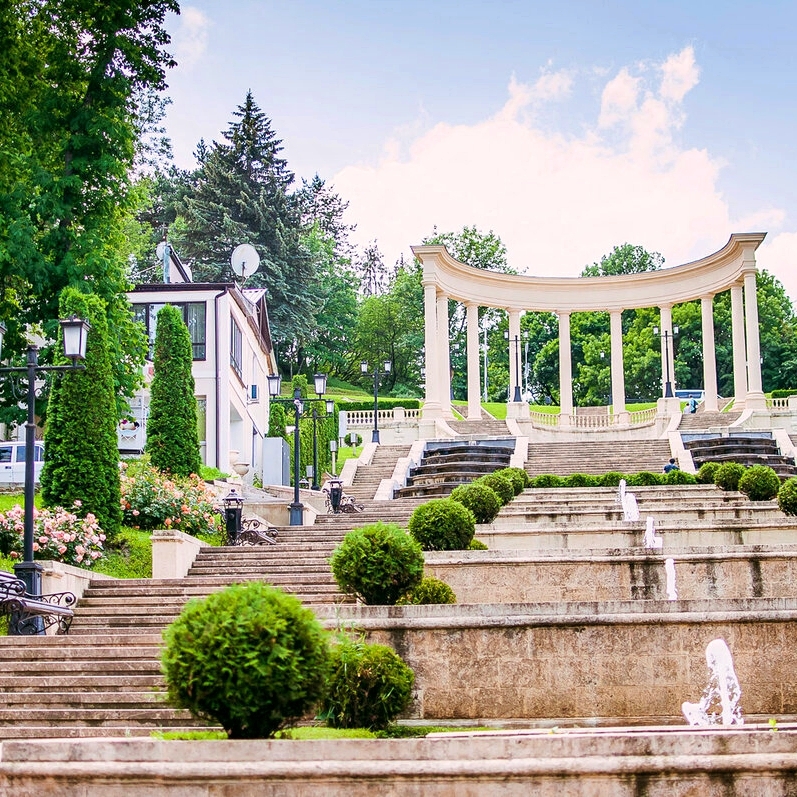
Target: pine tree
x,y
240,194
172,435
81,455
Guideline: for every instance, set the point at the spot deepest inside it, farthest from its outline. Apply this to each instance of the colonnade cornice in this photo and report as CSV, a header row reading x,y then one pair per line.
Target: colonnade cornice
x,y
708,276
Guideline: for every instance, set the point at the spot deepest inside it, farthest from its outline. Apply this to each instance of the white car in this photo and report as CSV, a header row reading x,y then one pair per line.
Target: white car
x,y
12,461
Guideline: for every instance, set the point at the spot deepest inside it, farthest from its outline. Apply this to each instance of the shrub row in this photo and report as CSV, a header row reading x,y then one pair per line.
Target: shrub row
x,y
612,479
382,404
253,659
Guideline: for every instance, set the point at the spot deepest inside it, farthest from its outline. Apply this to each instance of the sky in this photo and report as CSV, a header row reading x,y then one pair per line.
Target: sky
x,y
567,127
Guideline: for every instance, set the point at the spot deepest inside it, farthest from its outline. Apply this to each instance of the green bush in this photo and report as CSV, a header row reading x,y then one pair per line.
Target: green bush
x,y
759,483
249,657
379,563
443,524
500,483
728,474
519,478
784,393
644,479
430,590
610,479
787,496
477,545
369,686
547,480
679,477
383,404
482,500
581,480
707,472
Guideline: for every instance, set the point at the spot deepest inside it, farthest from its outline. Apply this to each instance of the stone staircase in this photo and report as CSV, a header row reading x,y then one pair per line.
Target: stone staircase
x,y
367,479
486,427
596,457
746,449
707,420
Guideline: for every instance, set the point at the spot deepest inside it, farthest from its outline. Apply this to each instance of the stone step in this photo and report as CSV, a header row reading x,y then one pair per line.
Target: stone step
x,y
75,682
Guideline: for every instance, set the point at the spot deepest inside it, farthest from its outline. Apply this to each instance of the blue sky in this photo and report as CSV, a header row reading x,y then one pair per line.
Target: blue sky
x,y
565,127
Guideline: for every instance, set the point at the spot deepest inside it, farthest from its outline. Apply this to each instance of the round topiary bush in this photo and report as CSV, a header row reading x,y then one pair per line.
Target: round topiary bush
x,y
378,563
430,590
499,482
249,657
759,483
679,477
482,500
581,480
728,474
644,479
477,545
519,478
442,524
369,686
707,472
547,480
610,479
787,496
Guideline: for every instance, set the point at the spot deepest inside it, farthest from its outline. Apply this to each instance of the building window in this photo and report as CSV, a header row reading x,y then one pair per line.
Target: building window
x,y
193,315
236,348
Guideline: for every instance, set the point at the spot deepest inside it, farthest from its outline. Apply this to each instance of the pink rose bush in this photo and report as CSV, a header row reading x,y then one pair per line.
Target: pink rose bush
x,y
153,500
58,534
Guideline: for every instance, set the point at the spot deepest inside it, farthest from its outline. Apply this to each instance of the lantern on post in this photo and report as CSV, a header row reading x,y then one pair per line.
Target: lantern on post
x,y
233,511
335,494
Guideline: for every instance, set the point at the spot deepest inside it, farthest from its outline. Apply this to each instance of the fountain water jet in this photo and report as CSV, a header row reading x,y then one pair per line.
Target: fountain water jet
x,y
669,569
651,540
630,508
719,704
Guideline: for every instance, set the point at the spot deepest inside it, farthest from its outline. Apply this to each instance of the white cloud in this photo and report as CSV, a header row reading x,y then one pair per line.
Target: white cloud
x,y
778,255
191,38
560,202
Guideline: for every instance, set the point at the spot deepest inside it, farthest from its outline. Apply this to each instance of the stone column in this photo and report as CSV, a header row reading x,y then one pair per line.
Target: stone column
x,y
565,370
444,362
739,348
709,354
618,376
474,385
667,350
431,405
755,393
514,354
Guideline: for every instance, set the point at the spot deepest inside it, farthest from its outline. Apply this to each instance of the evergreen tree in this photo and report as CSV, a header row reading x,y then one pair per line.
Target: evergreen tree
x,y
81,455
240,194
172,435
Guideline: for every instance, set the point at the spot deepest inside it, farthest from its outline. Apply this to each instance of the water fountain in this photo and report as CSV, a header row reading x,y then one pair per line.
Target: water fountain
x,y
719,704
651,540
630,508
669,569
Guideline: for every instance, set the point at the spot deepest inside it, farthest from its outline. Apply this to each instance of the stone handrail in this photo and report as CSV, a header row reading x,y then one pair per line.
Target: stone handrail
x,y
637,418
641,417
544,418
777,403
366,417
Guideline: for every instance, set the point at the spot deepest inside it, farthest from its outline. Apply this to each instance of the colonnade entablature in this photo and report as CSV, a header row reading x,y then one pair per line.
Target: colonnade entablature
x,y
731,268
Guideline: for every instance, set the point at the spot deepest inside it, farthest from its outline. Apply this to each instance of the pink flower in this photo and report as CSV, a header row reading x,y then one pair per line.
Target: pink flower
x,y
136,513
61,550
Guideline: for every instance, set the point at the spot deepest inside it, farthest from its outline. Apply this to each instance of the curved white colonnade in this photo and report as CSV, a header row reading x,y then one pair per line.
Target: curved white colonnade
x,y
732,267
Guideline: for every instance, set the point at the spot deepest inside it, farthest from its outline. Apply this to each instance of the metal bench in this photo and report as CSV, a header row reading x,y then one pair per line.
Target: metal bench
x,y
34,614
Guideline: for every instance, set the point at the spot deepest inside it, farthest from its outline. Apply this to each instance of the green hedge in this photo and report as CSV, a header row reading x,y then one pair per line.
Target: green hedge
x,y
382,403
784,393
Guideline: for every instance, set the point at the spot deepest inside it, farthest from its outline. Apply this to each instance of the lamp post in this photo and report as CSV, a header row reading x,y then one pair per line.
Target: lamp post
x,y
75,331
296,509
333,450
364,369
668,393
516,339
233,509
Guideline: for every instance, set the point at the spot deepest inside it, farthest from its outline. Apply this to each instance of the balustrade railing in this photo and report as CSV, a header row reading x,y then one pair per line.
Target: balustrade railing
x,y
597,421
366,417
777,403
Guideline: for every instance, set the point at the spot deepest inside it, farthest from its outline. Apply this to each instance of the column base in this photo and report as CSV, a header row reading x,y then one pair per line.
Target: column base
x,y
668,406
755,401
431,409
296,514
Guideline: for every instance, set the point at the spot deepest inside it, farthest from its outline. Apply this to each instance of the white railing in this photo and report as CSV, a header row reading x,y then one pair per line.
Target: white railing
x,y
366,417
641,417
544,418
592,421
777,403
638,418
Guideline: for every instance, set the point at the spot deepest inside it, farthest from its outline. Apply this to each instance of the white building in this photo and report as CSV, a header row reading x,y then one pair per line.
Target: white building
x,y
233,356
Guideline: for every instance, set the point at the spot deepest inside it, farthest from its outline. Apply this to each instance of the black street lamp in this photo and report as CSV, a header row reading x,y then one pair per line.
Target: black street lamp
x,y
667,335
233,510
75,331
364,368
296,516
516,340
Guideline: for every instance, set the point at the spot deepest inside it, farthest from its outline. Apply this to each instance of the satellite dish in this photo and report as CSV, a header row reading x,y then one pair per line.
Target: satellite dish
x,y
245,260
160,249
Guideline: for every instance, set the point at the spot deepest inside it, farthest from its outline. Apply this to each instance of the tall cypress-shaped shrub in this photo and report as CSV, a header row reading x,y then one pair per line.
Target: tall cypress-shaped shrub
x,y
81,454
172,436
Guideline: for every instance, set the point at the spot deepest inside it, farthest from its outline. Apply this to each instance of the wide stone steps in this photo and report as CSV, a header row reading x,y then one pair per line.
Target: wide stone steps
x,y
368,477
486,428
596,458
707,420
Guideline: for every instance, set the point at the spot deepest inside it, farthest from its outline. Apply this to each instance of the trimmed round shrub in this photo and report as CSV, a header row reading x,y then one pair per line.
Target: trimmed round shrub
x,y
787,496
679,477
728,474
581,480
759,483
378,563
442,524
707,472
519,478
547,480
249,657
370,685
477,545
644,479
430,590
611,479
499,482
482,500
